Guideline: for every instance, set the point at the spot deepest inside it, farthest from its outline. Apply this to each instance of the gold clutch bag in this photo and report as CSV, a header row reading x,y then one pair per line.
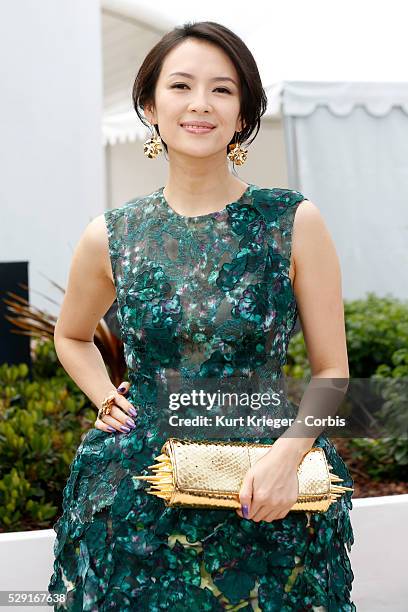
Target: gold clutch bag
x,y
204,474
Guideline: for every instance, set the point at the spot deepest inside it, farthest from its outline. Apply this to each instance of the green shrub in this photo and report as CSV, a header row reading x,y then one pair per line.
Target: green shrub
x,y
377,344
41,425
376,327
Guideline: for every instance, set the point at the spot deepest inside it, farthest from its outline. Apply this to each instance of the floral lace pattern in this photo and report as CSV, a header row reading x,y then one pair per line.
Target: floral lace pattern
x,y
198,297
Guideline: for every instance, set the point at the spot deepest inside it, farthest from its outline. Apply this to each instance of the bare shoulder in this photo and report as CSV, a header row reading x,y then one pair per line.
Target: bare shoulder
x,y
96,237
308,223
310,238
307,213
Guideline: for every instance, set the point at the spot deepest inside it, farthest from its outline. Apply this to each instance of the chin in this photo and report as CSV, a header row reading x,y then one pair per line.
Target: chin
x,y
197,152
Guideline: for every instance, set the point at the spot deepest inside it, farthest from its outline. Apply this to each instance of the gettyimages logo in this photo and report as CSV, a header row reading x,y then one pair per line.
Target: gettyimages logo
x,y
244,408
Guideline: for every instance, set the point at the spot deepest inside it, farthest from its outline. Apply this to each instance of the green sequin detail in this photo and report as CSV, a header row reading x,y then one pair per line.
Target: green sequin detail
x,y
205,296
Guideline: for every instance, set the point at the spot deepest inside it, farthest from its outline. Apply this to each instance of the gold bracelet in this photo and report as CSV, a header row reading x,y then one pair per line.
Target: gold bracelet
x,y
107,404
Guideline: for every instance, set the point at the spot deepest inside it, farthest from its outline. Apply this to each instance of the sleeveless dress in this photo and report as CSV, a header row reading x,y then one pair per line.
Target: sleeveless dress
x,y
206,296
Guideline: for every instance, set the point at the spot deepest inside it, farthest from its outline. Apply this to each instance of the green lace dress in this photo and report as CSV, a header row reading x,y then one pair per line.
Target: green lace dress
x,y
208,296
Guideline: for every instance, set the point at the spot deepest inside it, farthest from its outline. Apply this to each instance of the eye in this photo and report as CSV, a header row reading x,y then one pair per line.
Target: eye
x,y
178,85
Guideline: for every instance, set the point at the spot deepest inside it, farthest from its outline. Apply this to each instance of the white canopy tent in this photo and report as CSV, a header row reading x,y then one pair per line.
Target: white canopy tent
x,y
291,41
338,91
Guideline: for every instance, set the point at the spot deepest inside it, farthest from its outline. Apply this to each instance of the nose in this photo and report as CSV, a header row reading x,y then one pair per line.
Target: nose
x,y
199,103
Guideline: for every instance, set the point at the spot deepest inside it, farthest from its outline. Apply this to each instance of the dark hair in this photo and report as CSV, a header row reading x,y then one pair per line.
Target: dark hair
x,y
253,97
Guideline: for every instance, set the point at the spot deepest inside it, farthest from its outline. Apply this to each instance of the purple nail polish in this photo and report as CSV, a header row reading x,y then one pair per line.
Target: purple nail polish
x,y
130,423
132,411
121,389
244,509
124,429
110,428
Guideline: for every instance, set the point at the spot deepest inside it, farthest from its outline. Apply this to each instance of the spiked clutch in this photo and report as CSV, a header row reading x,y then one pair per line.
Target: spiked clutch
x,y
205,474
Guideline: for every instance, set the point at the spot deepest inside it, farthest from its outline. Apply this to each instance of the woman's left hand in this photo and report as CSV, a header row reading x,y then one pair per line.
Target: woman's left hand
x,y
271,487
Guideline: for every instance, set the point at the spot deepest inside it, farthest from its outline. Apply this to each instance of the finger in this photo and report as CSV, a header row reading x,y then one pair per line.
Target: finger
x,y
260,514
104,426
245,495
124,387
275,513
125,405
117,425
257,506
117,418
271,516
242,515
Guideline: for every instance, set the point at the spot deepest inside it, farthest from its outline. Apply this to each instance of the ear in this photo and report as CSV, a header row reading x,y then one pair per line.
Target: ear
x,y
150,114
240,125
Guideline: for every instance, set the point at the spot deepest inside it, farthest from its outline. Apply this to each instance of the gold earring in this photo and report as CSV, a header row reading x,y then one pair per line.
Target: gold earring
x,y
152,147
237,154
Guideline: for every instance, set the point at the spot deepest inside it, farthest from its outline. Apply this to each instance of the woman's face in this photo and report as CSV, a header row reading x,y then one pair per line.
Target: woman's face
x,y
203,96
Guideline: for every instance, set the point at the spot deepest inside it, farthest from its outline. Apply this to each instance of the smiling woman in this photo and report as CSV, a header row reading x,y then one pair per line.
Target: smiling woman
x,y
198,105
206,290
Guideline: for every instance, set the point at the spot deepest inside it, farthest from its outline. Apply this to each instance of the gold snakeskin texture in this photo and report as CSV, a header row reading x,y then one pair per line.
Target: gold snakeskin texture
x,y
210,474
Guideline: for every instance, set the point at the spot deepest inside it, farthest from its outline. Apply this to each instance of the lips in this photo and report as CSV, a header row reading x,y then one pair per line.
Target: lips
x,y
197,124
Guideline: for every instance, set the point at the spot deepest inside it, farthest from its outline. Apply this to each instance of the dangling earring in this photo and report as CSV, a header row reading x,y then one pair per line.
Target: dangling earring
x,y
237,154
152,147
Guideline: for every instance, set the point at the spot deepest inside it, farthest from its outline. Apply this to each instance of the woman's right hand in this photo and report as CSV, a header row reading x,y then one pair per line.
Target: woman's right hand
x,y
121,416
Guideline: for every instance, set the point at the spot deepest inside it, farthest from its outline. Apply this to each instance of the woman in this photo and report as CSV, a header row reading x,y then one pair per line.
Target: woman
x,y
208,273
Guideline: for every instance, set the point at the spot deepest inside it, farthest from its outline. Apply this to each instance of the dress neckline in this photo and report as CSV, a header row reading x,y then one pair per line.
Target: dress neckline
x,y
215,213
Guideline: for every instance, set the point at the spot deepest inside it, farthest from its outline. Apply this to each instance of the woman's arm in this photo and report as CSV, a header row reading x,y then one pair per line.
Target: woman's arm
x,y
318,291
90,293
270,488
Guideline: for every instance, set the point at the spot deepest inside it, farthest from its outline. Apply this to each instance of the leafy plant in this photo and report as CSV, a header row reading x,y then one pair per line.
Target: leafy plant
x,y
41,425
40,325
376,327
377,342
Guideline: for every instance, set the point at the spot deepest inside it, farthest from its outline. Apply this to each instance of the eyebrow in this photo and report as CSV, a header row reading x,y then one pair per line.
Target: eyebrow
x,y
190,76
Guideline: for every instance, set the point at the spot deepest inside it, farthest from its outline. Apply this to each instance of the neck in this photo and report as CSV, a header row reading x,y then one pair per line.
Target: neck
x,y
195,191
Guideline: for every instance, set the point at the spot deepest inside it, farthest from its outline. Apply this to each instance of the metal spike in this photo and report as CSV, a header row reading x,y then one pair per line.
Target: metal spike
x,y
157,492
161,457
153,480
161,469
160,472
163,483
